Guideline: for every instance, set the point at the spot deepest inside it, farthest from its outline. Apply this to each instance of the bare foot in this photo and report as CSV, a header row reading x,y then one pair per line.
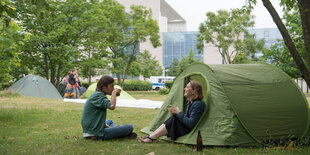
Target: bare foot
x,y
146,139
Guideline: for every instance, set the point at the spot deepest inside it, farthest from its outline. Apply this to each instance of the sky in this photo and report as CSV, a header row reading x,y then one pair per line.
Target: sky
x,y
194,11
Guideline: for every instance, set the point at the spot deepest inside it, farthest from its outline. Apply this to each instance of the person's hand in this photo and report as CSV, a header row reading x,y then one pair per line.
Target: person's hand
x,y
173,109
107,126
116,91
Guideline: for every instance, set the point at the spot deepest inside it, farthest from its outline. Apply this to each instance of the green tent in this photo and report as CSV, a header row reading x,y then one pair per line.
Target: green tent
x,y
92,88
35,86
246,105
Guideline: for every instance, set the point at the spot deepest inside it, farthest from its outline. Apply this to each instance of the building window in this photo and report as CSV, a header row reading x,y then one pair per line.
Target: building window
x,y
178,44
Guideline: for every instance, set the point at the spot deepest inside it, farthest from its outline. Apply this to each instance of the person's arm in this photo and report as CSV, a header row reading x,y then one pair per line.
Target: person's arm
x,y
113,98
197,110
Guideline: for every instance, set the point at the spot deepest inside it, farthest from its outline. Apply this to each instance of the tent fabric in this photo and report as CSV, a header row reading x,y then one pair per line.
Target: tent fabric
x,y
247,104
92,88
35,86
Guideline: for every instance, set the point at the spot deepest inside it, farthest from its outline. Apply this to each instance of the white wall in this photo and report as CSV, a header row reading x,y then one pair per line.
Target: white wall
x,y
177,27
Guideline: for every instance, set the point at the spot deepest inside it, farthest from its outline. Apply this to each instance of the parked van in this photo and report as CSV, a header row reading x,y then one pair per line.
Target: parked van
x,y
159,81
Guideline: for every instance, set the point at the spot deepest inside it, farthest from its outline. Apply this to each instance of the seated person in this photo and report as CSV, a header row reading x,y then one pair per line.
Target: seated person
x,y
94,123
180,124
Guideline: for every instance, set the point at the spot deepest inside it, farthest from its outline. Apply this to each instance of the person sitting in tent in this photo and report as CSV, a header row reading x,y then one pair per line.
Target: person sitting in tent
x,y
70,90
180,124
94,123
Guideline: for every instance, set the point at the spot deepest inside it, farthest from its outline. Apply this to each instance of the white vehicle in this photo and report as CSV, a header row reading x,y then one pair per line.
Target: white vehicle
x,y
159,81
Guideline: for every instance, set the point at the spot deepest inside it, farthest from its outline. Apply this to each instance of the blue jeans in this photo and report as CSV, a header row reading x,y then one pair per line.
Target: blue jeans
x,y
116,131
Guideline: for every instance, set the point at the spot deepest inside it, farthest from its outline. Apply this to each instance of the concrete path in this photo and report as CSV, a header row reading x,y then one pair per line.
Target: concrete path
x,y
147,104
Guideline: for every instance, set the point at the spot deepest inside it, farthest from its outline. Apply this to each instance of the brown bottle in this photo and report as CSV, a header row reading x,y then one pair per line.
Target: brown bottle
x,y
199,142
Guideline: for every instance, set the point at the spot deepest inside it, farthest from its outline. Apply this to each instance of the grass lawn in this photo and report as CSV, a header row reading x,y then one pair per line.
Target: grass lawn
x,y
46,126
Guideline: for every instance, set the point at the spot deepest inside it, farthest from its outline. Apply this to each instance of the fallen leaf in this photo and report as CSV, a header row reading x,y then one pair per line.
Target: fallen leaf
x,y
67,137
151,153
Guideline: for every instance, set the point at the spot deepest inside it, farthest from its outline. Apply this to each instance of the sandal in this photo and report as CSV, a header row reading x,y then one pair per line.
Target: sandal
x,y
147,137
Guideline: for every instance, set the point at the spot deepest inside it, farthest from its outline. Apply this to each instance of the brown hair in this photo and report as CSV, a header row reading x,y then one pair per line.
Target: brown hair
x,y
197,87
104,81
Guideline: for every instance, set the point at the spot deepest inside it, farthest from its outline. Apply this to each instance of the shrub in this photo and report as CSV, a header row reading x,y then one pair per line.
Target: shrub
x,y
61,89
168,84
85,84
164,91
7,93
136,85
5,85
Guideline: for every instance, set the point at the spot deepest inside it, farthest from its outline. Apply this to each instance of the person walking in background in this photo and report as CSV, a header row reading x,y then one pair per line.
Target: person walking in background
x,y
94,123
180,124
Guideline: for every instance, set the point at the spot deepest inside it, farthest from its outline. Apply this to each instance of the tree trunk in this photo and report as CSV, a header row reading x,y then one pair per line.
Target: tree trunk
x,y
228,57
115,66
58,78
129,62
288,40
89,76
117,75
46,66
304,11
53,71
119,79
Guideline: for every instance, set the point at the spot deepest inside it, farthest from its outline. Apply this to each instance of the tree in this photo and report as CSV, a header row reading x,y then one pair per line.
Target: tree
x,y
303,8
187,61
149,65
135,69
137,27
174,68
10,42
55,35
94,42
224,30
248,49
279,56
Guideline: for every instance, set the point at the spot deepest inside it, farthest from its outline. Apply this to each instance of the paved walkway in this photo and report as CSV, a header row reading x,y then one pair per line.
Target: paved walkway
x,y
147,104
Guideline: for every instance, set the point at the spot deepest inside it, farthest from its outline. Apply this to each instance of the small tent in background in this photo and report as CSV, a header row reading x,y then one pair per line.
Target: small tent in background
x,y
35,86
92,88
247,105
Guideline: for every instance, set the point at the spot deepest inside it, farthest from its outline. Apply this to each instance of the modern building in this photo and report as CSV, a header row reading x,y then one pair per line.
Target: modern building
x,y
177,42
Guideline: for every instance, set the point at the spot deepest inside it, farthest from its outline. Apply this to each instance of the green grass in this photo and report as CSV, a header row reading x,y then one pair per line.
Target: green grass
x,y
47,126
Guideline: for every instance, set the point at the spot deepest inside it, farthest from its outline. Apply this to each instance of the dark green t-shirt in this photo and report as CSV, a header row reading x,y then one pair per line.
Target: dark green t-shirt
x,y
94,114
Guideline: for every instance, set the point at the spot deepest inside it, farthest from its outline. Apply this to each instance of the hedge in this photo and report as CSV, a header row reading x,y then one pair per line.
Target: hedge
x,y
136,85
168,84
164,91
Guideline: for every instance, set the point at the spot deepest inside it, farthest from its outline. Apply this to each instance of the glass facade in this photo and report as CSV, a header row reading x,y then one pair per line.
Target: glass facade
x,y
271,35
178,44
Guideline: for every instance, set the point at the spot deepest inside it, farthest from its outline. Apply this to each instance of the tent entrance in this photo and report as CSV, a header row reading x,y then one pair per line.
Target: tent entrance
x,y
206,93
203,82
